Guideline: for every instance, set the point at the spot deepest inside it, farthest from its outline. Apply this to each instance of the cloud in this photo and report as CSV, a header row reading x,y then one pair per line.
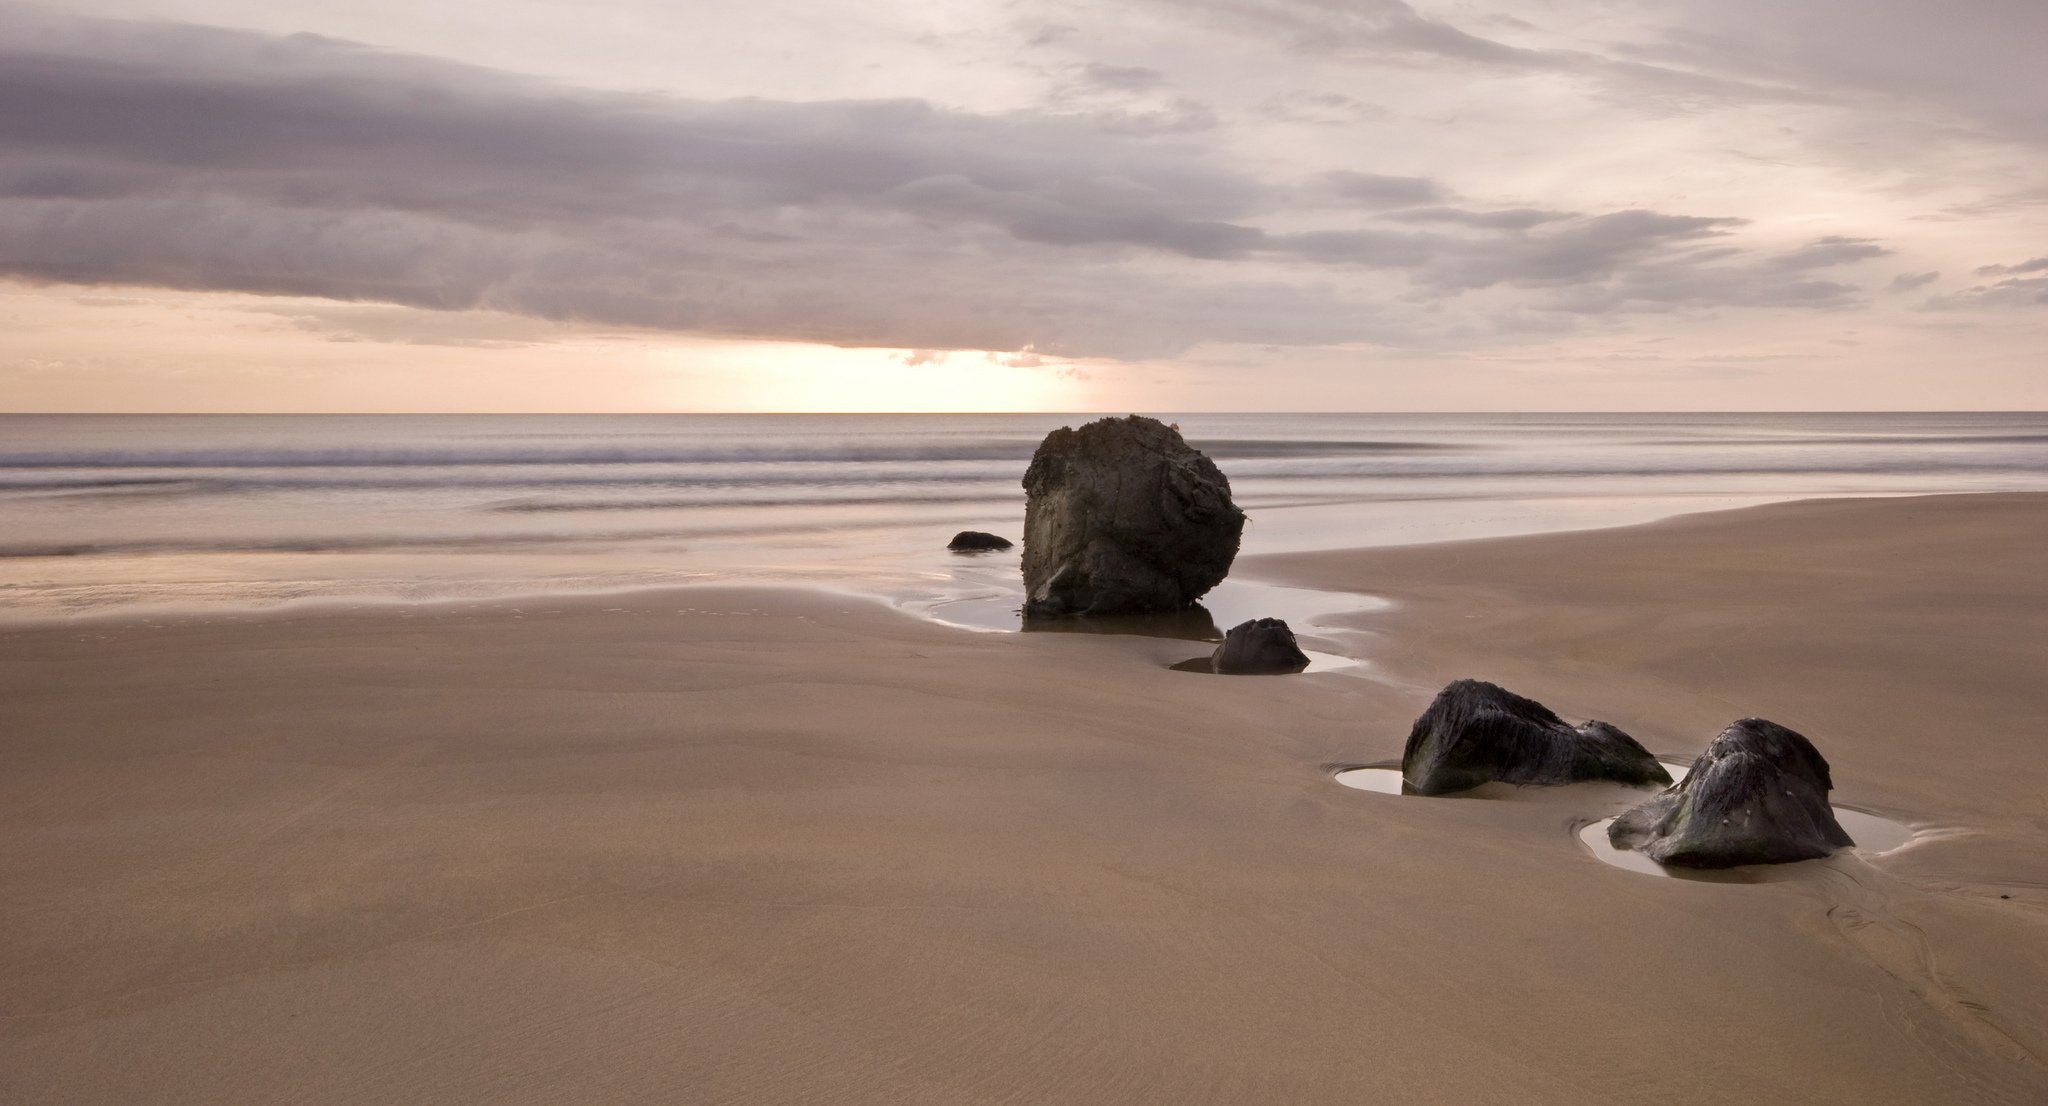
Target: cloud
x,y
1393,31
1519,218
159,154
2036,265
1831,250
1375,190
1320,109
2016,292
1978,61
1582,250
2020,290
1907,282
342,322
1121,78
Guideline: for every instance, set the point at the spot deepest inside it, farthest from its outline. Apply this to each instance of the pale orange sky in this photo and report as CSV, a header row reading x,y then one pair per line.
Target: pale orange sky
x,y
974,205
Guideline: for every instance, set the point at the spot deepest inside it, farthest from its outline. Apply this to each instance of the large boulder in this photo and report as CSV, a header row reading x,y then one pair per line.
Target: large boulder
x,y
1475,732
1263,646
977,541
1122,517
1758,795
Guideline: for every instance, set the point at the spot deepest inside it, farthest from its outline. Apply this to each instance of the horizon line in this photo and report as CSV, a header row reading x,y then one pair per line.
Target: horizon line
x,y
1110,412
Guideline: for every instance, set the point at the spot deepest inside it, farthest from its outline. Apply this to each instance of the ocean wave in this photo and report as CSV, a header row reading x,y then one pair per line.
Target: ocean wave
x,y
1861,440
485,458
979,480
360,543
672,503
411,543
1018,450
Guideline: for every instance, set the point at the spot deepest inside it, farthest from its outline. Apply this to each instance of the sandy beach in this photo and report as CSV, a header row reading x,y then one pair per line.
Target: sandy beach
x,y
779,846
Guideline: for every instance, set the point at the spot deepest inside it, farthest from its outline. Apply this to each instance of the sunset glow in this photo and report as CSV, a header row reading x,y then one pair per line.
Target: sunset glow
x,y
985,205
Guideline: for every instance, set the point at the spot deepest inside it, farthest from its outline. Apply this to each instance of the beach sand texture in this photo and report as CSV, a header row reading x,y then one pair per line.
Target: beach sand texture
x,y
777,846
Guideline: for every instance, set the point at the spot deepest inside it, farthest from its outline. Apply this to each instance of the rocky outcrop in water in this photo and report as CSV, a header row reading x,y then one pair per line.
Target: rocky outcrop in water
x,y
1475,732
1263,646
1122,517
1758,795
975,541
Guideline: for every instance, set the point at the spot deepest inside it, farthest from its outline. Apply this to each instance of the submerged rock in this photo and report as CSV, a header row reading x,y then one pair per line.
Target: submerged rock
x,y
1475,732
1263,646
1758,795
1121,517
975,541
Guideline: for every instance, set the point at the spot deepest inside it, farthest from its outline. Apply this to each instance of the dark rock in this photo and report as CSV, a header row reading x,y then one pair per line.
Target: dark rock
x,y
1121,517
974,541
1475,732
1758,795
1259,647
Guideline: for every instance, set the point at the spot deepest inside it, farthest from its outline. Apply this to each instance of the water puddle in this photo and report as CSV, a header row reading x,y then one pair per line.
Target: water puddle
x,y
1386,779
1873,833
1375,777
1317,662
1226,605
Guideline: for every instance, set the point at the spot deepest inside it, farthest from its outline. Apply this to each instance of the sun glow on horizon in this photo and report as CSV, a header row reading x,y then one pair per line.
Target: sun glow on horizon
x,y
795,377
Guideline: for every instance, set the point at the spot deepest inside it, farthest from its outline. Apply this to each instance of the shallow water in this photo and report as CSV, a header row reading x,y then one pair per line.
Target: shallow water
x,y
1386,780
1873,834
1380,778
1228,604
102,512
1317,662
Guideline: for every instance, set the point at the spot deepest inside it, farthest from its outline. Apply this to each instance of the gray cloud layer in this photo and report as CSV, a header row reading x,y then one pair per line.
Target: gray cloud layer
x,y
207,159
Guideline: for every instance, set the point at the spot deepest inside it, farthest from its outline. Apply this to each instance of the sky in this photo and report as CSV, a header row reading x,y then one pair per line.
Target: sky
x,y
1167,205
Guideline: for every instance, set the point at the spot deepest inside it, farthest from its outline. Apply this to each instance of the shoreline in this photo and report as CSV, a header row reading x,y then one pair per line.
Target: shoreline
x,y
870,587
753,844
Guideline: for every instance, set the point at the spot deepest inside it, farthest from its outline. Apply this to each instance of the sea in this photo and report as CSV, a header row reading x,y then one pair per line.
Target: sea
x,y
111,514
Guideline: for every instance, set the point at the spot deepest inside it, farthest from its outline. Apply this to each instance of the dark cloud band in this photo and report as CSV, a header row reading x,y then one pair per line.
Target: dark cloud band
x,y
195,158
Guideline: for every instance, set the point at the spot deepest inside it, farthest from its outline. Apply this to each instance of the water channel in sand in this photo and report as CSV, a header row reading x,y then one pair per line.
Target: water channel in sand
x,y
1226,605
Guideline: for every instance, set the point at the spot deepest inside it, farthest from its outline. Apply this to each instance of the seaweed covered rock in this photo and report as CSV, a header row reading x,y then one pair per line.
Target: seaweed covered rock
x,y
1758,795
1263,646
1123,517
1475,732
976,541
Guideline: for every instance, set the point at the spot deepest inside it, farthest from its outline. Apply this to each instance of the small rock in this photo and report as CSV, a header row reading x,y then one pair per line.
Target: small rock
x,y
1263,646
974,541
1475,732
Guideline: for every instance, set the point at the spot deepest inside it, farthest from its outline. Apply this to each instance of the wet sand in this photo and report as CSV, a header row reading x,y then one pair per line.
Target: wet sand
x,y
782,846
